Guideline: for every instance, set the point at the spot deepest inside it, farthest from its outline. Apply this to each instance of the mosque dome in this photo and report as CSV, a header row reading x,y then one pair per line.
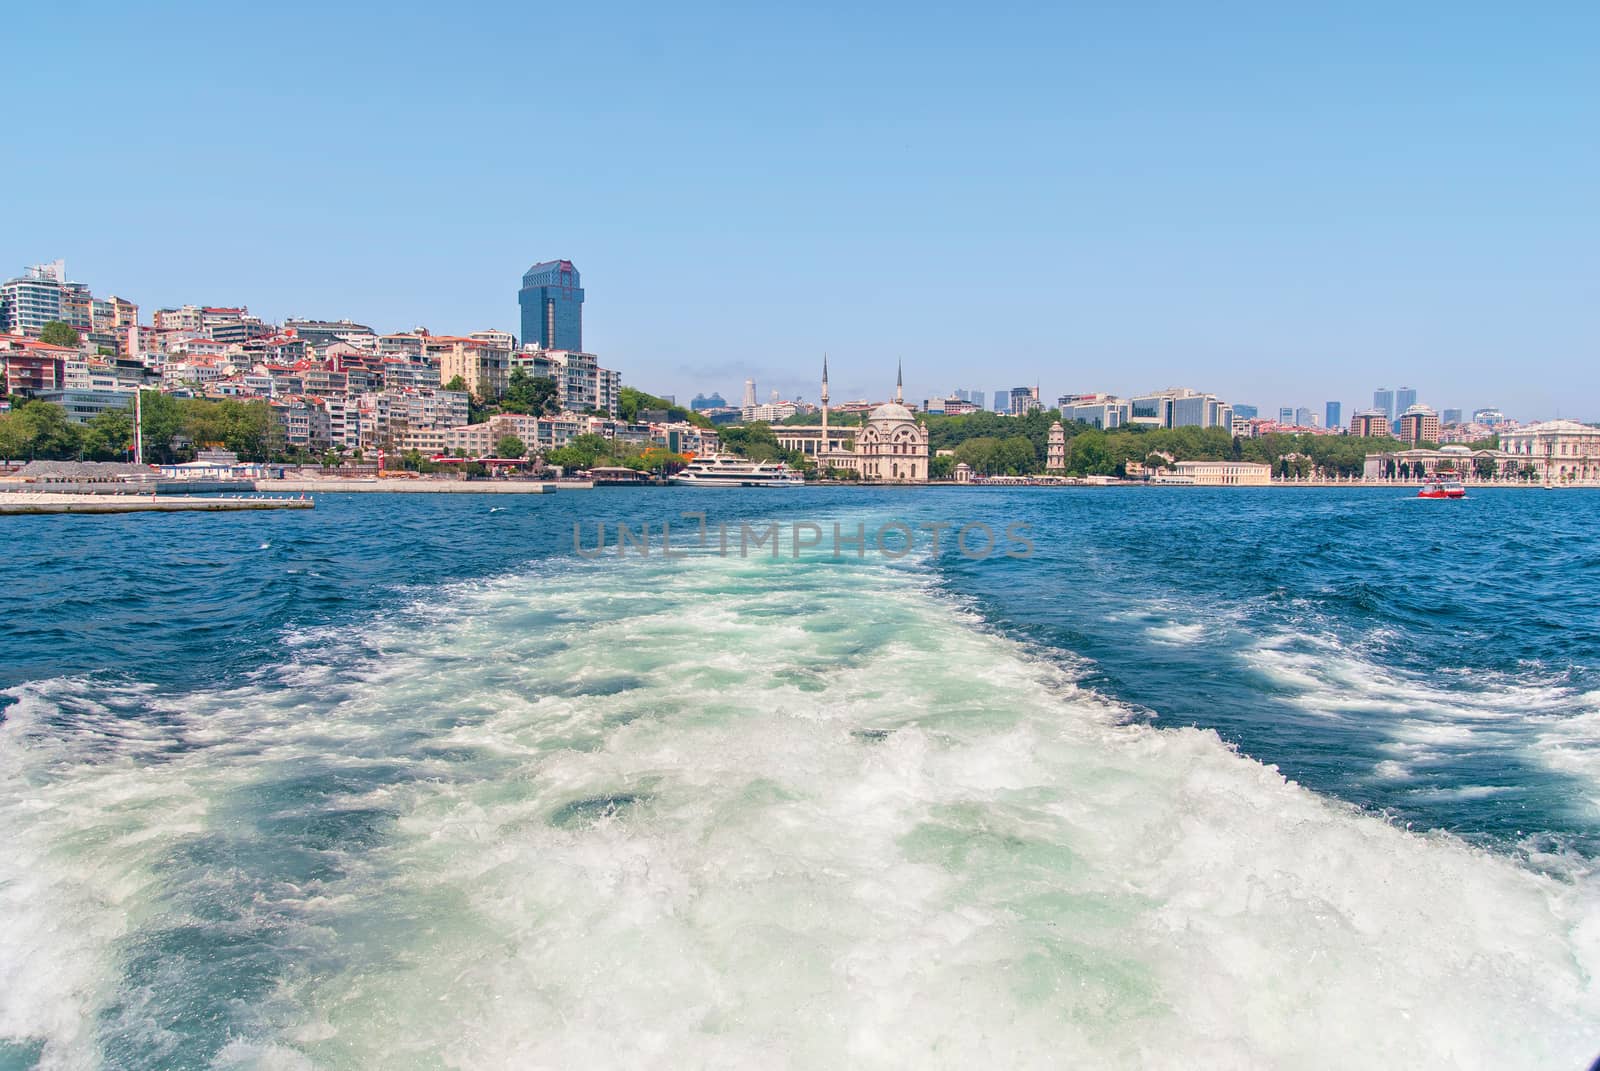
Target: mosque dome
x,y
891,411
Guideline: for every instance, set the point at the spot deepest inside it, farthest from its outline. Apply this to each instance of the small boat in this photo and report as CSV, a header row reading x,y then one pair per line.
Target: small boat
x,y
1442,489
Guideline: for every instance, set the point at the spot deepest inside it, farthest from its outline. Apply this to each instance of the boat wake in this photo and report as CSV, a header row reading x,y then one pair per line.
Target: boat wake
x,y
725,812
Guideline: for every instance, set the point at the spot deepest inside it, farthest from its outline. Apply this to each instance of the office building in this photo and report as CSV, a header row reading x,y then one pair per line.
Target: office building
x,y
551,299
1491,417
1303,418
1286,414
1245,412
1002,400
1333,415
1418,424
1450,416
1371,424
1383,400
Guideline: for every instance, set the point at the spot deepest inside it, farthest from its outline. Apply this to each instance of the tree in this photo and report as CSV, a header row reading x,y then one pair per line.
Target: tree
x,y
531,394
162,425
457,384
109,435
510,446
56,333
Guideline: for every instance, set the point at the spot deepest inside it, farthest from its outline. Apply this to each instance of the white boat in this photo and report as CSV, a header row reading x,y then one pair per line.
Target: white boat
x,y
727,470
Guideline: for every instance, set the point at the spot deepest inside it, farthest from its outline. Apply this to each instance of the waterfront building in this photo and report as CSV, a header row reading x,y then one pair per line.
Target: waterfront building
x,y
1056,449
551,300
1558,450
1223,473
1332,416
1370,423
1455,460
1418,424
32,299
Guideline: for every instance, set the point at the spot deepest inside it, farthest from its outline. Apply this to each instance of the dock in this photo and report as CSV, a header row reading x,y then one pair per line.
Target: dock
x,y
35,503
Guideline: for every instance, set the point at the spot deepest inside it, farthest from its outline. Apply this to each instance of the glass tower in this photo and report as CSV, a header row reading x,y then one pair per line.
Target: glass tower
x,y
1333,414
552,306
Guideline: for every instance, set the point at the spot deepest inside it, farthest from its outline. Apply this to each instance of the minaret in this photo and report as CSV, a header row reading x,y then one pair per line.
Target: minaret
x,y
822,450
899,383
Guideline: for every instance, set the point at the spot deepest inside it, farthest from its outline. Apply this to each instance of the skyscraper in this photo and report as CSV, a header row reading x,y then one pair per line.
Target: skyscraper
x,y
749,393
1404,398
1333,415
1002,400
975,397
552,306
1383,398
1302,418
1286,414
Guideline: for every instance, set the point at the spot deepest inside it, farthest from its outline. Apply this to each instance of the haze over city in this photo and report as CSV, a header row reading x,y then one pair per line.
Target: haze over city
x,y
1281,207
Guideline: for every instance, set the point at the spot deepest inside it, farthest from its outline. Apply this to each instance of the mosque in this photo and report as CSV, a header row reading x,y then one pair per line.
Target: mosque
x,y
890,448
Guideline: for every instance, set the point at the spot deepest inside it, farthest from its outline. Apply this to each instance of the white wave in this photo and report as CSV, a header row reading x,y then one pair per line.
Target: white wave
x,y
736,812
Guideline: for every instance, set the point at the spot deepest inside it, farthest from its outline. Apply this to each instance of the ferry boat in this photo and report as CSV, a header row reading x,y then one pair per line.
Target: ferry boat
x,y
726,470
1442,489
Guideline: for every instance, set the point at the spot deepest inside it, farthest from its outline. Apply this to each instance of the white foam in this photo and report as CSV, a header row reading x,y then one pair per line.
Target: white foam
x,y
895,840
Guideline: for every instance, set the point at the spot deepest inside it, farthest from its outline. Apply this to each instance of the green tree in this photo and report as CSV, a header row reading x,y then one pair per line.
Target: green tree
x,y
457,384
531,394
510,446
39,431
56,333
162,427
108,436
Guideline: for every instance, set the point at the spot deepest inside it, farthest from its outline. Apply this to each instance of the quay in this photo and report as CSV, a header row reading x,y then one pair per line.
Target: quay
x,y
349,485
35,503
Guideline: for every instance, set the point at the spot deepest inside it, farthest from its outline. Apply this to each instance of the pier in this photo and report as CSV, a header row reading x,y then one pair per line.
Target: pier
x,y
35,503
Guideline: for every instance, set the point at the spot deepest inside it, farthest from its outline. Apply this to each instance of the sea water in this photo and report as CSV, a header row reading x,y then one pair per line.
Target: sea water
x,y
1232,779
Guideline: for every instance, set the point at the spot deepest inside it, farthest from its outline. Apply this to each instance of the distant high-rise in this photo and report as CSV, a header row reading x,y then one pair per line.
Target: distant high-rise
x,y
552,306
1451,416
1404,398
1286,414
749,393
975,397
1333,415
1002,400
1245,412
1303,418
1383,398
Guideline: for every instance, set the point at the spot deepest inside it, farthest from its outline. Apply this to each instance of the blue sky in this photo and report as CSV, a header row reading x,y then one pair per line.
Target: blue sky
x,y
1283,203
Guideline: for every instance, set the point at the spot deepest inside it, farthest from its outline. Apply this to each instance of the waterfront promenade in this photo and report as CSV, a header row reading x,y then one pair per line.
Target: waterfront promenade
x,y
346,485
34,503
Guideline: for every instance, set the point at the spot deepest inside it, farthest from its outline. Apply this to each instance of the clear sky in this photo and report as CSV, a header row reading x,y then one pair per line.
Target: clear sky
x,y
1284,203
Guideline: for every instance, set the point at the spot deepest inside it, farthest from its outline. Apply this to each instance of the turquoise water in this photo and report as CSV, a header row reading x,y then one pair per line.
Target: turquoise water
x,y
1236,778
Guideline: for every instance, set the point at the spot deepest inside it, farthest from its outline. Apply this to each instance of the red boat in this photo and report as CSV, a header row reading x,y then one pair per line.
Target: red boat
x,y
1442,489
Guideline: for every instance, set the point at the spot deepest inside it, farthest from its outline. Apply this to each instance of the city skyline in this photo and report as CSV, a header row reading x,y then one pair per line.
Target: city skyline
x,y
1187,203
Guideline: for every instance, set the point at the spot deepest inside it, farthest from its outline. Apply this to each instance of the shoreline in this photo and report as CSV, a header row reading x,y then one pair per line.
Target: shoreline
x,y
45,503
